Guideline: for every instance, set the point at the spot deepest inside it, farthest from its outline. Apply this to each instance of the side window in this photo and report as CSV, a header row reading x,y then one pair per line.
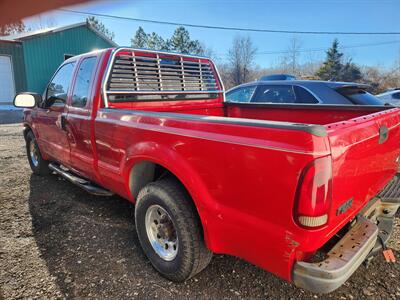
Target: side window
x,y
304,96
275,94
57,90
83,82
241,94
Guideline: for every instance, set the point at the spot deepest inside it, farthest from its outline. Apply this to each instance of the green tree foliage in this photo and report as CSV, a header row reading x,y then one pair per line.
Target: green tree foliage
x,y
12,28
99,26
140,39
332,66
179,42
334,69
350,72
156,42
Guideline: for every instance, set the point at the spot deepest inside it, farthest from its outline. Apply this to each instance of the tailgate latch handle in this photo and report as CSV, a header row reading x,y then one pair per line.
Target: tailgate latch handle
x,y
383,134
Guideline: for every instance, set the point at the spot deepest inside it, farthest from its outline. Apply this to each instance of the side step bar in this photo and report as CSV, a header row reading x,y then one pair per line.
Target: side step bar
x,y
83,183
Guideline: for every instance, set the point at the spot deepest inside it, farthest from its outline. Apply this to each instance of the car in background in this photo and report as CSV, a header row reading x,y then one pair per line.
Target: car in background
x,y
391,96
303,92
277,77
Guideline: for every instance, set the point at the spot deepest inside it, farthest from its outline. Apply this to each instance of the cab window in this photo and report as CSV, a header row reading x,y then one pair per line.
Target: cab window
x,y
83,82
57,90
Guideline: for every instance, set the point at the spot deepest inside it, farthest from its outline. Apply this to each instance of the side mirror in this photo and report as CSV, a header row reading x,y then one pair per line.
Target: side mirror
x,y
27,100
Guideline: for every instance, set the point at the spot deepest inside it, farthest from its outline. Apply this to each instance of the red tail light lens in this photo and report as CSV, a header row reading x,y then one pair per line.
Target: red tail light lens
x,y
314,194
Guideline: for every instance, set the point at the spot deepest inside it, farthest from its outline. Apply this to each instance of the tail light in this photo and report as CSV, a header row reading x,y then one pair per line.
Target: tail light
x,y
314,194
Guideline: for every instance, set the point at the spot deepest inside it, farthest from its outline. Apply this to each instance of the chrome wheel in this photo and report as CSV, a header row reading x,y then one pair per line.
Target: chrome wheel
x,y
161,232
34,153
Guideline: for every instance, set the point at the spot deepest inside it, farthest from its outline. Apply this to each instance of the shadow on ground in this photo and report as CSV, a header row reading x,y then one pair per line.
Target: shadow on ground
x,y
90,246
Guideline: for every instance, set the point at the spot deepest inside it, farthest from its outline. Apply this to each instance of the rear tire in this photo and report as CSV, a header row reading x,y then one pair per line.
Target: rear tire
x,y
182,231
38,165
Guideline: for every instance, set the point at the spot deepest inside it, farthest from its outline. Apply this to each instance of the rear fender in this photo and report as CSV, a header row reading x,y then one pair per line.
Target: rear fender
x,y
180,168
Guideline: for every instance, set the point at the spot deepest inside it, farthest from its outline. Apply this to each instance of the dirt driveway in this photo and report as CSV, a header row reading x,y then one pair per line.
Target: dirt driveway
x,y
57,241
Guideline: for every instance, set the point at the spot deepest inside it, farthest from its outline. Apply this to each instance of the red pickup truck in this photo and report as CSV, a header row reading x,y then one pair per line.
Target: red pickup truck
x,y
307,192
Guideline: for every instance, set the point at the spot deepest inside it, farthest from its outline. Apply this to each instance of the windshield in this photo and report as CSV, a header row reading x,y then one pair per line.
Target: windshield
x,y
359,96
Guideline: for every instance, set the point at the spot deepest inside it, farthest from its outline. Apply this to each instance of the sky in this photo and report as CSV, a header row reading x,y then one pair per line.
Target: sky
x,y
301,15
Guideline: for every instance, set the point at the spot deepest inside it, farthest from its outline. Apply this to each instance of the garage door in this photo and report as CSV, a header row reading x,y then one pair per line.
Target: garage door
x,y
7,88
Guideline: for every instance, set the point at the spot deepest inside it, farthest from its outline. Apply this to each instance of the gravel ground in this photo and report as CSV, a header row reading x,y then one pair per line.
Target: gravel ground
x,y
57,241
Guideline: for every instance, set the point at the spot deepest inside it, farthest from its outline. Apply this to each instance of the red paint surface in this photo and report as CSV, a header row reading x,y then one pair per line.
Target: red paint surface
x,y
243,179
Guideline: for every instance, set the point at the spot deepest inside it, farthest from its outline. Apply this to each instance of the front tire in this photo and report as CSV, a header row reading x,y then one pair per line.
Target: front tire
x,y
170,231
38,165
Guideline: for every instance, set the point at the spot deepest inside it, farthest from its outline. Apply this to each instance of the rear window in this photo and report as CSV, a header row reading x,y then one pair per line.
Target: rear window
x,y
359,96
151,76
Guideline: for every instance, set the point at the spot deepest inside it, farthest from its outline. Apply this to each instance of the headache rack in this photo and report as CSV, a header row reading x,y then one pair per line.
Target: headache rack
x,y
145,75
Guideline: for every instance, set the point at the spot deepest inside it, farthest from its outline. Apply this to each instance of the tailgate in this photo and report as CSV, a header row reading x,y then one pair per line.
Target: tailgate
x,y
365,154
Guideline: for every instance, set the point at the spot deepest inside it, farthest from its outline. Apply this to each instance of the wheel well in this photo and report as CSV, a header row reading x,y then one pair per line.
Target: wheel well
x,y
26,130
145,172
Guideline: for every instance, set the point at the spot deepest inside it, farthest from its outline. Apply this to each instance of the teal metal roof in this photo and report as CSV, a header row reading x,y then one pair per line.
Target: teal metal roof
x,y
37,33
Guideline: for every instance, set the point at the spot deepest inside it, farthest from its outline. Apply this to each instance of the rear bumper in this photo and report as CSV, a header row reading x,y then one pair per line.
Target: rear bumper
x,y
360,242
343,259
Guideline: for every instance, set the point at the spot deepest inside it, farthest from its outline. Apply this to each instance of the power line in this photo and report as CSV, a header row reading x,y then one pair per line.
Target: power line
x,y
324,49
227,28
321,49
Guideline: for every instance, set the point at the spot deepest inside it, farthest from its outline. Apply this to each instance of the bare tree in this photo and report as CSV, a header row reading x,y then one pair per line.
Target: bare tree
x,y
12,28
290,62
241,59
42,23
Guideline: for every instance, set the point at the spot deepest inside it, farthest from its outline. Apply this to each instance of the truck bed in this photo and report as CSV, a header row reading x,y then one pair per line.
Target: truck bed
x,y
251,149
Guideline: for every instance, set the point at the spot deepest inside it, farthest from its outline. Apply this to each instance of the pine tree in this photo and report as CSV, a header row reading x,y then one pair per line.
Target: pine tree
x,y
92,21
350,72
140,39
181,42
332,67
156,42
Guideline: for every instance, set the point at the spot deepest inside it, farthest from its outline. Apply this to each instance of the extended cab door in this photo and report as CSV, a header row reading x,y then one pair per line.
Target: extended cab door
x,y
79,120
49,118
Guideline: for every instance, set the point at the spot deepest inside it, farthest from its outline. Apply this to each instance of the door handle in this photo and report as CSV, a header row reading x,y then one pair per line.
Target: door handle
x,y
63,122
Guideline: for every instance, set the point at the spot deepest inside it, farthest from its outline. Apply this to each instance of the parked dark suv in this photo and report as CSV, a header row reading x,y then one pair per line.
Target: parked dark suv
x,y
302,92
